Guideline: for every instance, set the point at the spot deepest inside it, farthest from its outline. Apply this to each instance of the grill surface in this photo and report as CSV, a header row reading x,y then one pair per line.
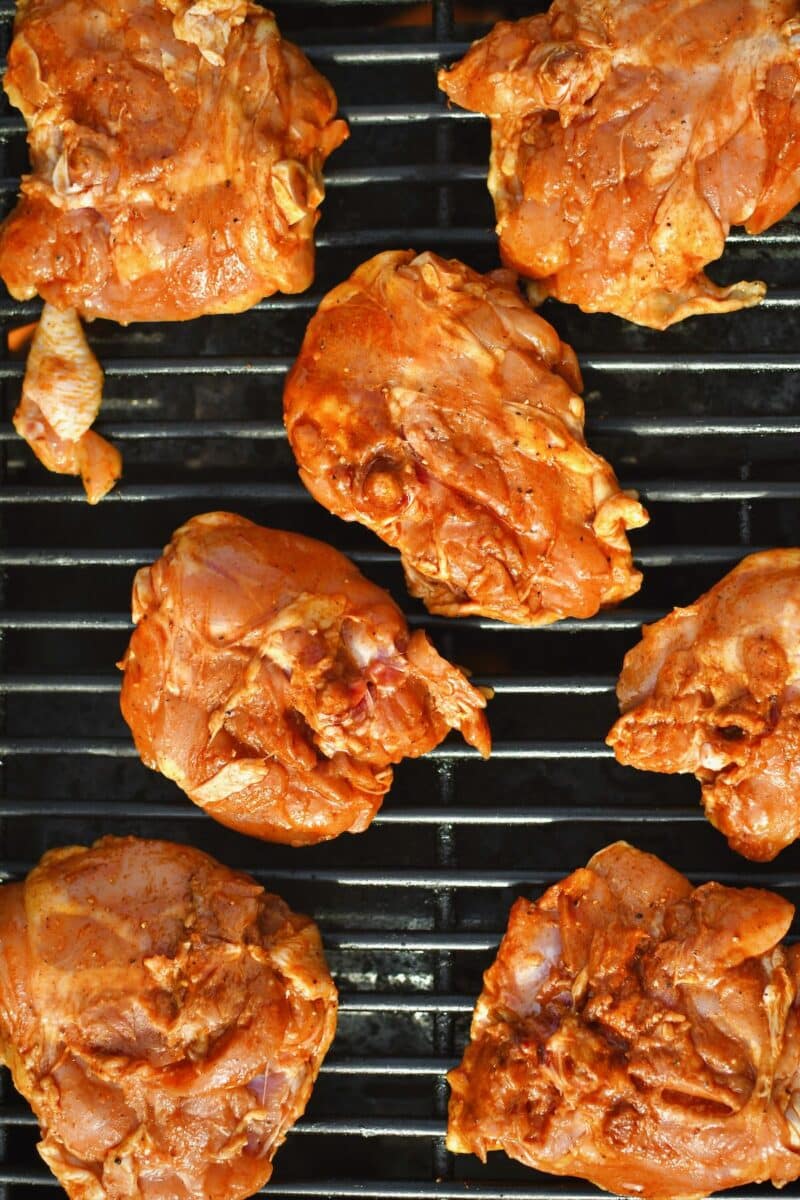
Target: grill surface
x,y
703,419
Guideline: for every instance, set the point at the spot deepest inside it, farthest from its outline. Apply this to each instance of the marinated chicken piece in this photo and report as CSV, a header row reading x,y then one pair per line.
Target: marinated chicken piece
x,y
714,689
61,396
177,154
638,1033
430,404
164,1016
627,139
274,684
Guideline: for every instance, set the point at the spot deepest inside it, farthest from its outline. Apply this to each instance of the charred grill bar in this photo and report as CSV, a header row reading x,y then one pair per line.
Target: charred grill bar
x,y
703,419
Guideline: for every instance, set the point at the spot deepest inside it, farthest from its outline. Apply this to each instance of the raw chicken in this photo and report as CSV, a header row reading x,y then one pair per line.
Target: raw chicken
x,y
627,139
165,1017
276,685
638,1033
430,404
61,396
177,154
714,689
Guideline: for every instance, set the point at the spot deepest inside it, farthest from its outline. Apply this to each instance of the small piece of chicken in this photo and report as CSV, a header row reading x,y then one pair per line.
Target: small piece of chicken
x,y
638,1033
430,404
276,685
164,1016
177,154
61,396
714,689
627,139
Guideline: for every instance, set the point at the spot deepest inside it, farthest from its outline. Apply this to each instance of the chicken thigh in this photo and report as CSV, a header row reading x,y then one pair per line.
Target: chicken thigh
x,y
430,404
276,685
639,1033
165,1017
177,152
714,689
627,139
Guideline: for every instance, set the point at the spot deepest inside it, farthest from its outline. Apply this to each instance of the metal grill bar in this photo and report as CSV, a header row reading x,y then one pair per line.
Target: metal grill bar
x,y
594,361
381,1067
411,52
122,748
545,815
352,1127
658,556
376,1066
416,173
412,941
280,493
386,1190
269,430
396,1128
354,114
776,298
505,686
623,620
378,877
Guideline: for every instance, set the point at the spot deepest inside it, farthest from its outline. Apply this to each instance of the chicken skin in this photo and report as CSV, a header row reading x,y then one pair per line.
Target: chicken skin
x,y
177,153
61,396
713,689
639,1033
276,685
164,1016
627,139
430,404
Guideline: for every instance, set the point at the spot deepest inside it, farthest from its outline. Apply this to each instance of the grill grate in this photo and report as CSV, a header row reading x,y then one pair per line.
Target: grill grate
x,y
703,419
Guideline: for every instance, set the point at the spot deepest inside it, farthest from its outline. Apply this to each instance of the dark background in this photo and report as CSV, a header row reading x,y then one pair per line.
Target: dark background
x,y
703,418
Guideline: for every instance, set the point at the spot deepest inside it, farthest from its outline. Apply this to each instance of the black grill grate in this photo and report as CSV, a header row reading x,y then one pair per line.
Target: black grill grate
x,y
703,419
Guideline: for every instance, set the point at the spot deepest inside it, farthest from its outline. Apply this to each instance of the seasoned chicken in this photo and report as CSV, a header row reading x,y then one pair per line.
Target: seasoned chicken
x,y
430,404
627,139
714,689
61,396
165,1017
639,1033
276,685
177,154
